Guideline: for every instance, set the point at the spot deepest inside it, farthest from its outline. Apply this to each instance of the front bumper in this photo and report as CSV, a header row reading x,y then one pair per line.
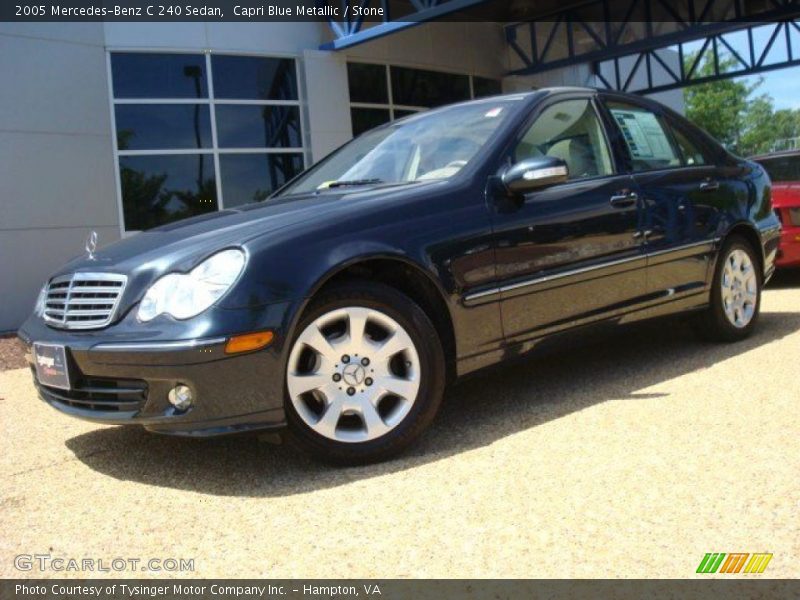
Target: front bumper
x,y
123,379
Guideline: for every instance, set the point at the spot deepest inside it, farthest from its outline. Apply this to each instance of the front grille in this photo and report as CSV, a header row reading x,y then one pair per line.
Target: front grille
x,y
83,300
100,394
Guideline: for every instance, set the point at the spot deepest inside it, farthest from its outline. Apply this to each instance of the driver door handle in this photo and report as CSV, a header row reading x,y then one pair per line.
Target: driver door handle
x,y
624,199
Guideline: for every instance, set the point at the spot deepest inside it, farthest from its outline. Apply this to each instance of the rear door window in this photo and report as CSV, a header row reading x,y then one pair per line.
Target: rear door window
x,y
691,154
649,145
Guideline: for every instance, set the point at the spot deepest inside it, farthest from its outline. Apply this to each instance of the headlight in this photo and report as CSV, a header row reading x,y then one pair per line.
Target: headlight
x,y
38,308
185,295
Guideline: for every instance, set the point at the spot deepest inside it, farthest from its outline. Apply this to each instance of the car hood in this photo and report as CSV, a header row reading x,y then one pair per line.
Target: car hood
x,y
785,194
179,245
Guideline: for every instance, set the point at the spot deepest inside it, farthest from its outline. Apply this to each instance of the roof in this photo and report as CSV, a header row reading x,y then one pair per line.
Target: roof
x,y
781,153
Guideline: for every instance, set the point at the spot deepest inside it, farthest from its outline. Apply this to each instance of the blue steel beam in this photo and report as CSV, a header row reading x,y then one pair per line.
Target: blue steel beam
x,y
613,77
351,33
690,21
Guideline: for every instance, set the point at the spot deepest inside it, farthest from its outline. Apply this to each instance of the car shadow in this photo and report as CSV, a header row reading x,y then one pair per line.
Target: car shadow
x,y
485,408
784,279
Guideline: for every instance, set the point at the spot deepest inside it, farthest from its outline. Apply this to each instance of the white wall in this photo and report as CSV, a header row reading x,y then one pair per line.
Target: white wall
x,y
56,162
471,48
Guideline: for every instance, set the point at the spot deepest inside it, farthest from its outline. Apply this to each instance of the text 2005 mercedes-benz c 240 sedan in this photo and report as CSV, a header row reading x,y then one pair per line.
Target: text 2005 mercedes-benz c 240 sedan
x,y
417,253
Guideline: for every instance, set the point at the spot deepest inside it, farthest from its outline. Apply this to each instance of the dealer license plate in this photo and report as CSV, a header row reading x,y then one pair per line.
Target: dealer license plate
x,y
51,365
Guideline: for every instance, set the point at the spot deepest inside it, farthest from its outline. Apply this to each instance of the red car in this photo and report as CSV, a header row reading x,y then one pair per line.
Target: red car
x,y
784,170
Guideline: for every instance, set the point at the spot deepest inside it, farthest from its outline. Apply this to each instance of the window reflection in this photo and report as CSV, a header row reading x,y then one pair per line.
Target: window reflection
x,y
399,113
145,75
254,78
415,87
481,86
258,126
159,189
252,177
160,126
364,119
367,83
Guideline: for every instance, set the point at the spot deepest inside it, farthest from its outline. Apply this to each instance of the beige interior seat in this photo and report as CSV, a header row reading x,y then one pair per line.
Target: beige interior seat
x,y
578,156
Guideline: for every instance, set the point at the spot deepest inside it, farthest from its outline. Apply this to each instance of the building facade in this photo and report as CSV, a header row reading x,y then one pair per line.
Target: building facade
x,y
120,127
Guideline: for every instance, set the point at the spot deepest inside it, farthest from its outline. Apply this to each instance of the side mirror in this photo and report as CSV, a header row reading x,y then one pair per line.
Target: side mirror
x,y
535,174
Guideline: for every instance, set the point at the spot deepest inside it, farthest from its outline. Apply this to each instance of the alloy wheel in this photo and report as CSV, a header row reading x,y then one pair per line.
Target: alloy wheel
x,y
739,288
353,374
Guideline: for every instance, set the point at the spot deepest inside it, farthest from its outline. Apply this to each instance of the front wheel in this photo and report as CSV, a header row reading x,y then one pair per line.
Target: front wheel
x,y
735,294
365,374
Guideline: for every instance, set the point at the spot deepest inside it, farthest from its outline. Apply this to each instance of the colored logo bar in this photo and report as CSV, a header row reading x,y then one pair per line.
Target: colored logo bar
x,y
714,562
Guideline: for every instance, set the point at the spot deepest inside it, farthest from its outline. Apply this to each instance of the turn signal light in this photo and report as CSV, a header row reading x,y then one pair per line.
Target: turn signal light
x,y
248,342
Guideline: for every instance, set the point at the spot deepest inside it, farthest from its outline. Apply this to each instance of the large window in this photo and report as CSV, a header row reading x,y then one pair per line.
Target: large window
x,y
383,93
196,132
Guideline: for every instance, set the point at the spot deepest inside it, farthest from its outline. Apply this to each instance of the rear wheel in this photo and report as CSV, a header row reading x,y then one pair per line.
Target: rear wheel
x,y
365,374
735,294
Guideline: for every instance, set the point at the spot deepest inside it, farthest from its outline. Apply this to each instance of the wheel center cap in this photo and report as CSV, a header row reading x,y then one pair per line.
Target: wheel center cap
x,y
353,374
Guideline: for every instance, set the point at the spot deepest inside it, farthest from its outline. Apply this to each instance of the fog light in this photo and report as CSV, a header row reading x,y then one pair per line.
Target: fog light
x,y
180,397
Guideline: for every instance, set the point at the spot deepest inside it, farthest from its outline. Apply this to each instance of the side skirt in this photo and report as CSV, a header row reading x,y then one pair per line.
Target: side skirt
x,y
508,352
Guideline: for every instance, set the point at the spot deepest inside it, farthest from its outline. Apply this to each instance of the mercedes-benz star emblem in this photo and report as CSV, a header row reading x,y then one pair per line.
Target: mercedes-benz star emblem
x,y
353,374
91,244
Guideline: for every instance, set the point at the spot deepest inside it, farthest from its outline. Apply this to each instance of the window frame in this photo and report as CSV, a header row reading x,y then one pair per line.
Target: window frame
x,y
214,150
390,105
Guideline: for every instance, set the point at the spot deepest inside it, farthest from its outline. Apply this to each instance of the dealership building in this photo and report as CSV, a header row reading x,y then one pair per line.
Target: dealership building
x,y
117,127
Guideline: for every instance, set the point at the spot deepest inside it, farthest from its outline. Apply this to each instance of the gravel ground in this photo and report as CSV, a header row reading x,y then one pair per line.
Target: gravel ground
x,y
11,353
630,456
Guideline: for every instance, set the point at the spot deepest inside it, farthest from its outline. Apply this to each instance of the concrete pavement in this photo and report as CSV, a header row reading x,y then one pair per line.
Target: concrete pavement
x,y
631,455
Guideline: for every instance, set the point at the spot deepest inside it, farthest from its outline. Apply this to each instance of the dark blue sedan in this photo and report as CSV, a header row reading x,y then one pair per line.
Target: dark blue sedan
x,y
419,252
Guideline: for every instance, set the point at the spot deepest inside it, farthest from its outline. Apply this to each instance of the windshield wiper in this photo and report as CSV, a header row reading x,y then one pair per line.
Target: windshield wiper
x,y
345,182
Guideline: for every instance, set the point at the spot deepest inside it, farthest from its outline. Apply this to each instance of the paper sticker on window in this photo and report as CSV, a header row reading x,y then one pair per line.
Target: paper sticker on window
x,y
643,134
494,112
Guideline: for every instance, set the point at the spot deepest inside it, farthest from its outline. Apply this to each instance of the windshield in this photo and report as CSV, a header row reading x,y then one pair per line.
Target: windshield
x,y
429,146
782,168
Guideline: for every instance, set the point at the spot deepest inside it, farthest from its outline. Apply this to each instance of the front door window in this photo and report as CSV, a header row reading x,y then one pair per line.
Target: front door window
x,y
571,131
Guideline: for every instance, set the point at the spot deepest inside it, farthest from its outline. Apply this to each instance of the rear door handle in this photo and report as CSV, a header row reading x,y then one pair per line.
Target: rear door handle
x,y
624,200
709,186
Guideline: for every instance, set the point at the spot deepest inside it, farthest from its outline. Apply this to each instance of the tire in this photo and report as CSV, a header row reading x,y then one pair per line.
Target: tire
x,y
332,338
741,295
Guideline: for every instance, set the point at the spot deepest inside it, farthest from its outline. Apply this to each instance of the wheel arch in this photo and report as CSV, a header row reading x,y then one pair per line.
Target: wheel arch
x,y
402,274
747,231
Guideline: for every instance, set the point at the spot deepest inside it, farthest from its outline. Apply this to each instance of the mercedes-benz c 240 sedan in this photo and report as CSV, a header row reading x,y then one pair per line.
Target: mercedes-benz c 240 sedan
x,y
417,253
